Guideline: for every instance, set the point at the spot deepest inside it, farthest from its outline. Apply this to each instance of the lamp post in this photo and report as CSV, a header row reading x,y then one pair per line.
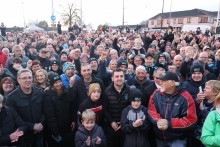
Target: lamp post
x,y
81,13
123,14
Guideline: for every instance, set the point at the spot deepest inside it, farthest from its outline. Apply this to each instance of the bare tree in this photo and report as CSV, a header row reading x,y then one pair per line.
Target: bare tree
x,y
70,15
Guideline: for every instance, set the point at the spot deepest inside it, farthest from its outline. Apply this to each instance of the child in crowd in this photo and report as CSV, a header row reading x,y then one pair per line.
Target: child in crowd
x,y
211,128
94,103
134,122
89,133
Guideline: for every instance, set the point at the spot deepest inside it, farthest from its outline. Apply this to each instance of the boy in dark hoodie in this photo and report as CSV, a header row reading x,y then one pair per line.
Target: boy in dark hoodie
x,y
89,134
134,122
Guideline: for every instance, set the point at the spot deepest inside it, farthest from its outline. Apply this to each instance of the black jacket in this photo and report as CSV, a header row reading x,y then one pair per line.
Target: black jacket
x,y
95,107
115,102
10,121
138,85
28,107
59,113
148,91
180,111
82,134
135,137
193,87
80,92
45,63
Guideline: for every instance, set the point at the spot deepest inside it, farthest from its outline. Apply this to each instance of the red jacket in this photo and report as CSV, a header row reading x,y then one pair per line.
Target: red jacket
x,y
180,111
3,58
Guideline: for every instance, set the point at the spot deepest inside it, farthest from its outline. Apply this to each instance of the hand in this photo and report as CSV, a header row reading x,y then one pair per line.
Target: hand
x,y
29,64
162,124
73,124
77,53
72,80
15,136
38,127
98,140
116,126
104,55
138,123
88,141
201,106
200,97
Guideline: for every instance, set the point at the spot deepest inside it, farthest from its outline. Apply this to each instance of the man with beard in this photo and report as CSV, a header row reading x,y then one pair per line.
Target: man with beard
x,y
172,112
116,99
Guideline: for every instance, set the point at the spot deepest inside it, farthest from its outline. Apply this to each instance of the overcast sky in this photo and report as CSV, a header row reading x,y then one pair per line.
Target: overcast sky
x,y
95,11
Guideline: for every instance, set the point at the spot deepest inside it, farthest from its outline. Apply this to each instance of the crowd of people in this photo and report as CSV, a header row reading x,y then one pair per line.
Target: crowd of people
x,y
110,88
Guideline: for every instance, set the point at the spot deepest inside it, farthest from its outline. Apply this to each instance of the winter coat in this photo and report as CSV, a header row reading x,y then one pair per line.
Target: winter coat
x,y
29,107
180,111
95,107
10,121
59,113
23,58
138,85
82,134
135,137
211,130
193,87
115,102
44,62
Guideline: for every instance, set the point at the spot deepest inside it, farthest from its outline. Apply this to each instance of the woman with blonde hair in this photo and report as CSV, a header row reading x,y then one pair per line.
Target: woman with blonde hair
x,y
211,128
41,79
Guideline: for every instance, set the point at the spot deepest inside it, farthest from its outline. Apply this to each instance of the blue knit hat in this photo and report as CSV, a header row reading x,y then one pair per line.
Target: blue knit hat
x,y
66,66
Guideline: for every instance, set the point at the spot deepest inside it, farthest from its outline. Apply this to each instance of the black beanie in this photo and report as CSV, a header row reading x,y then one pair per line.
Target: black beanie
x,y
196,68
135,95
53,77
122,62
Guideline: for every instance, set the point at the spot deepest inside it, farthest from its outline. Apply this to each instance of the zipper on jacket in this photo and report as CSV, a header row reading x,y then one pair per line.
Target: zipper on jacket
x,y
166,111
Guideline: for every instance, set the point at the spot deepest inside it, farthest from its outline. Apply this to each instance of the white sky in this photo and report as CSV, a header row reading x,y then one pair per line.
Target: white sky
x,y
95,11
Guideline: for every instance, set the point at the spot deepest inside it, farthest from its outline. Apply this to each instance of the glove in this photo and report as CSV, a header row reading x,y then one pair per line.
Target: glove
x,y
57,138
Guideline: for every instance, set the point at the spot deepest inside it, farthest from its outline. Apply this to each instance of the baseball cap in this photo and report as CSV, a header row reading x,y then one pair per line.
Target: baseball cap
x,y
169,76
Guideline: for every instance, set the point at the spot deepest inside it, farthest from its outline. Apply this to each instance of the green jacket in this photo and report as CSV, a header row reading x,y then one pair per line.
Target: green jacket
x,y
211,130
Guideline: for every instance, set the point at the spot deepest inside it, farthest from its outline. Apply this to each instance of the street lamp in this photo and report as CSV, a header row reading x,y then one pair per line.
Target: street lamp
x,y
162,16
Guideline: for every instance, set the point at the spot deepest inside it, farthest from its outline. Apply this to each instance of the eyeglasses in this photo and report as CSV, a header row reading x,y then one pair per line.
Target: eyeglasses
x,y
26,78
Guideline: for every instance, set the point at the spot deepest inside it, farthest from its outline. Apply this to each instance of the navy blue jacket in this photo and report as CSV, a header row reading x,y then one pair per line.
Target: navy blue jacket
x,y
180,111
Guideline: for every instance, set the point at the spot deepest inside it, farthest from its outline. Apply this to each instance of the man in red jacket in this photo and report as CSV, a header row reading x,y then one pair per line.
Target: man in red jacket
x,y
3,58
172,112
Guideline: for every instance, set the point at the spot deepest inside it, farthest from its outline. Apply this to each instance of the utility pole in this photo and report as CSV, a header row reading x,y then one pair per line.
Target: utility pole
x,y
81,13
162,16
22,3
123,15
170,12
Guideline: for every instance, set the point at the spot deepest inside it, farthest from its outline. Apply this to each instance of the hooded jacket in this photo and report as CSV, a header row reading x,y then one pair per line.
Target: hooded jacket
x,y
82,134
135,137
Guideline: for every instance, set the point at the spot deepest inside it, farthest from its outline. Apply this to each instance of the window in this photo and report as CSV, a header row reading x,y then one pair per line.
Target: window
x,y
168,21
158,22
152,22
188,20
210,20
180,21
203,19
174,21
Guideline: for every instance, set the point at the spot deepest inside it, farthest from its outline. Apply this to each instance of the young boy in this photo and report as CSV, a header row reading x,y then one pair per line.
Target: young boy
x,y
149,64
134,122
89,133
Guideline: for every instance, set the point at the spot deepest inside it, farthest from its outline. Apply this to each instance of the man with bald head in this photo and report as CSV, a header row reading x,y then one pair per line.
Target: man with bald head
x,y
177,61
209,72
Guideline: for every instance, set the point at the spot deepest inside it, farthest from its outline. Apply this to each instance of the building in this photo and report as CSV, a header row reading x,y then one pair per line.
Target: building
x,y
180,18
